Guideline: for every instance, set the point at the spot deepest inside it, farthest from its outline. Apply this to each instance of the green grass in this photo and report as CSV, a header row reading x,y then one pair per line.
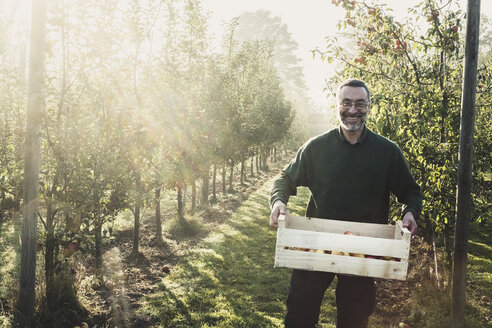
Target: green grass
x,y
228,279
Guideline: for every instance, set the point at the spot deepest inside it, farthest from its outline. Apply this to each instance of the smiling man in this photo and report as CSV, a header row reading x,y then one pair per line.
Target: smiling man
x,y
350,172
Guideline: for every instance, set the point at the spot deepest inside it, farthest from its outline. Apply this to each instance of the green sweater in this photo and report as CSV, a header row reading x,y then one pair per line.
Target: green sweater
x,y
350,182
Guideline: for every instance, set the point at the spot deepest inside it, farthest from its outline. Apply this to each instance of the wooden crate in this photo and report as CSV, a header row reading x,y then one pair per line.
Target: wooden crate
x,y
322,245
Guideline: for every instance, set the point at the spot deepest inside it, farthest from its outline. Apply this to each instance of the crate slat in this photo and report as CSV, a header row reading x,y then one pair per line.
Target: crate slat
x,y
343,243
338,226
341,264
385,241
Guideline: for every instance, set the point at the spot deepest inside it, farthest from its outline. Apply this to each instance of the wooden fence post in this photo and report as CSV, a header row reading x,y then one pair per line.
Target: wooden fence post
x,y
463,192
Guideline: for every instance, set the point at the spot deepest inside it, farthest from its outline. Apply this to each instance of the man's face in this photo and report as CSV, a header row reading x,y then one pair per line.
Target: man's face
x,y
353,107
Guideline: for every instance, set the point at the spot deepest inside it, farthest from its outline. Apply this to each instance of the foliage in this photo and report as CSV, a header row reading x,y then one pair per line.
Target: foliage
x,y
414,72
135,102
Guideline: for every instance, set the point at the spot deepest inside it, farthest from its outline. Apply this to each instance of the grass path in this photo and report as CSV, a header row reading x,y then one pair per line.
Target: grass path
x,y
228,279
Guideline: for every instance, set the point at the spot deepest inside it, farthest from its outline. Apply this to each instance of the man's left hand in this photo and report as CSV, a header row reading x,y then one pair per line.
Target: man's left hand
x,y
409,223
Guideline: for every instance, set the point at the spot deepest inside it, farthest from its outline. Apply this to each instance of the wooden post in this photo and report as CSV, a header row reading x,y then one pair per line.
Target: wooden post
x,y
35,102
463,193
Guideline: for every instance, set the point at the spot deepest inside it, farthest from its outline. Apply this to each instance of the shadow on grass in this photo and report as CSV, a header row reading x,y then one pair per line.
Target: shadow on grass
x,y
228,280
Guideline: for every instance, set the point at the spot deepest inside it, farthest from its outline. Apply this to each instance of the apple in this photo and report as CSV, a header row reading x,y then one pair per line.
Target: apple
x,y
71,248
435,13
336,253
109,285
327,252
17,131
166,269
361,60
357,255
454,28
351,22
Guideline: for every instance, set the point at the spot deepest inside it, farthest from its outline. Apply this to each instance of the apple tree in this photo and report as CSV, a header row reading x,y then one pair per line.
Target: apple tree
x,y
414,72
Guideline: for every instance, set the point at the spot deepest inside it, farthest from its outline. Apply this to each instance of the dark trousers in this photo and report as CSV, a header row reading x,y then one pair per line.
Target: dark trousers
x,y
355,298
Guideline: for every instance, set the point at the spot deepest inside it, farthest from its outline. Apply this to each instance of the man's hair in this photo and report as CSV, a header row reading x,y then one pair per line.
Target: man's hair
x,y
354,83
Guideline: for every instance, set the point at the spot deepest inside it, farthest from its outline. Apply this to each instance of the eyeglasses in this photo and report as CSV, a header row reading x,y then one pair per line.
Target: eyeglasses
x,y
359,104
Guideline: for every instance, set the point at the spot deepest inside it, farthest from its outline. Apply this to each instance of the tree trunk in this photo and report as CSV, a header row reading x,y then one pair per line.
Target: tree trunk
x,y
224,191
136,229
465,164
252,166
264,158
242,172
26,301
205,187
98,245
231,176
180,202
214,179
158,221
49,260
257,164
193,196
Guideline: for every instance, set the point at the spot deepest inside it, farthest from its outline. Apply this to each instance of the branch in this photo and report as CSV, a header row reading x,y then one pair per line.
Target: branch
x,y
42,221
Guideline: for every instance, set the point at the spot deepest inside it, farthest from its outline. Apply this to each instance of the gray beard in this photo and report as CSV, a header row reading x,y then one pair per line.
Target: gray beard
x,y
353,127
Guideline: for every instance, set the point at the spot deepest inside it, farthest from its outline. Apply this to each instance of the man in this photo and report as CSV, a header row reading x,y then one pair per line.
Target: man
x,y
350,172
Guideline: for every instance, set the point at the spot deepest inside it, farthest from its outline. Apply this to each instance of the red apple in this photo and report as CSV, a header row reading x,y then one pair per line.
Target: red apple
x,y
17,131
454,28
71,248
357,255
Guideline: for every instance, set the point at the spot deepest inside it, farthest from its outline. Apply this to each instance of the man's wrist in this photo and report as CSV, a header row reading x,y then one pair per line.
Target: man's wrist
x,y
274,200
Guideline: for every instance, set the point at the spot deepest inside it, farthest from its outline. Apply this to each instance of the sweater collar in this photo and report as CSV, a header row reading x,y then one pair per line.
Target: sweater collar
x,y
361,139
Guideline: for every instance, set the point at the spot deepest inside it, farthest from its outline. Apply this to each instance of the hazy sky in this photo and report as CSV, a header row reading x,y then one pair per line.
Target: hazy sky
x,y
309,21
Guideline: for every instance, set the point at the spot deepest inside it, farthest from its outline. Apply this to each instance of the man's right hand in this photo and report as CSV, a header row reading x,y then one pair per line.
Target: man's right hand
x,y
278,208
